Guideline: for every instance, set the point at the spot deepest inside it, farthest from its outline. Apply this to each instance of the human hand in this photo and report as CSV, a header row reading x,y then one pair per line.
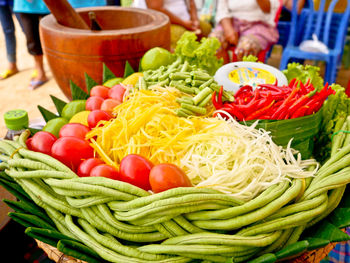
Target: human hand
x,y
192,26
189,25
195,23
231,37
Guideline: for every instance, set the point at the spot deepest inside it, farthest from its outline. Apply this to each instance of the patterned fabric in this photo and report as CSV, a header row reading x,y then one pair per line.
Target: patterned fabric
x,y
340,253
254,36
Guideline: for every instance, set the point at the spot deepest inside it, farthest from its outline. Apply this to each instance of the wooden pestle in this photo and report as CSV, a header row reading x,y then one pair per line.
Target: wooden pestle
x,y
65,14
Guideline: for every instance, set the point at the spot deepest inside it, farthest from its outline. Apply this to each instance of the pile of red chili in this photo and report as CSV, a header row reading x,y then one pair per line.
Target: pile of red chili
x,y
273,102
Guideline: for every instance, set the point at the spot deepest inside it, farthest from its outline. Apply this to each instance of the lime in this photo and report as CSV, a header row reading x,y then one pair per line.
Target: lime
x,y
80,117
53,126
111,82
72,108
156,57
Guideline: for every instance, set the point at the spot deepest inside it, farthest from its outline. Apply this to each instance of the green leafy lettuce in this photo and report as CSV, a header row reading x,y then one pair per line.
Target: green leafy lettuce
x,y
201,53
334,112
303,73
250,58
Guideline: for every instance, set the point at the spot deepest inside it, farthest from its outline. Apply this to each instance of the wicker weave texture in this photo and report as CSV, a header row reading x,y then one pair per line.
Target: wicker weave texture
x,y
314,256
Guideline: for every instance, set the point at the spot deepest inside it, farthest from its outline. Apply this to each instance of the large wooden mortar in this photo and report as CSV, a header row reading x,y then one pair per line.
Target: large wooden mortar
x,y
127,34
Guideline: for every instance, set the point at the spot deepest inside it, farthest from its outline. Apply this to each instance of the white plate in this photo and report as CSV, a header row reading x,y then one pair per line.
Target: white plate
x,y
234,75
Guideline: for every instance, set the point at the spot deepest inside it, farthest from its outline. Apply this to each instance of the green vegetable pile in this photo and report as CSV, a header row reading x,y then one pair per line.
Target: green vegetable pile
x,y
202,54
191,72
304,73
98,219
335,123
196,84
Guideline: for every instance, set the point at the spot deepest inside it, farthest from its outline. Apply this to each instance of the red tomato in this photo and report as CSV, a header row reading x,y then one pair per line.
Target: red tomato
x,y
109,104
74,129
117,92
135,169
166,176
97,115
71,151
105,170
29,144
42,141
99,91
86,166
93,103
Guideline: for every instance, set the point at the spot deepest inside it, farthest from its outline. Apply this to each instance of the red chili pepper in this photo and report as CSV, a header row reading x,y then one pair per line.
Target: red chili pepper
x,y
311,109
286,102
319,97
255,115
270,87
247,98
300,112
284,112
302,89
232,110
246,109
276,95
220,95
301,101
243,89
215,102
292,83
276,105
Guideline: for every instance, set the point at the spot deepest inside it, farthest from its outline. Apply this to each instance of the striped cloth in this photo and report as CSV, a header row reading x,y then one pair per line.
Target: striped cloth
x,y
340,253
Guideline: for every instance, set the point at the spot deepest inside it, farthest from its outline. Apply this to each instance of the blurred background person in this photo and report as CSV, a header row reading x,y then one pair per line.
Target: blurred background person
x,y
8,28
183,16
30,12
247,25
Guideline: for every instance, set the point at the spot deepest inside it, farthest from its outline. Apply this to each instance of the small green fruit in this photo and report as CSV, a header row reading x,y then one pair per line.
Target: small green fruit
x,y
53,126
72,108
156,57
110,83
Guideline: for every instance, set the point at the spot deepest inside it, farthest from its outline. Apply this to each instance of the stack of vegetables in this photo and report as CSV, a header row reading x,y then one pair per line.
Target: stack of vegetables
x,y
159,187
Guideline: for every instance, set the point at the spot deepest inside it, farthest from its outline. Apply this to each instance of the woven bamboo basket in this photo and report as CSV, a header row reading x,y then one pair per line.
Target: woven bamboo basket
x,y
313,256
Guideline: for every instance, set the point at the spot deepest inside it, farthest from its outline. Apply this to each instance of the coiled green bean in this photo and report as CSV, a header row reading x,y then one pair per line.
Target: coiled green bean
x,y
88,201
284,222
166,205
279,243
93,189
46,159
112,184
38,174
175,192
167,215
106,213
29,164
174,228
100,223
114,245
108,254
261,240
187,225
264,198
254,216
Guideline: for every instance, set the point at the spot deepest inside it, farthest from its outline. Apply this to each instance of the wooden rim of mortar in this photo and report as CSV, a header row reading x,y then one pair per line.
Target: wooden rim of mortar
x,y
158,19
